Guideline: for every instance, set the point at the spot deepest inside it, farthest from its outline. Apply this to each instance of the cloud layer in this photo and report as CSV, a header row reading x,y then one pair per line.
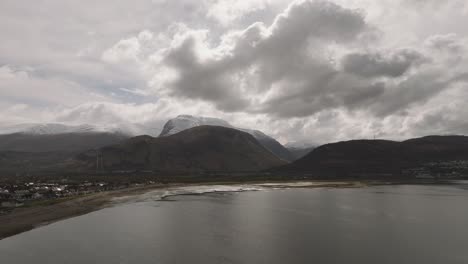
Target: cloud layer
x,y
300,70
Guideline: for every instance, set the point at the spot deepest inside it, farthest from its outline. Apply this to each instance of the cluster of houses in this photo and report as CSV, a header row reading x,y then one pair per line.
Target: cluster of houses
x,y
450,165
16,195
454,169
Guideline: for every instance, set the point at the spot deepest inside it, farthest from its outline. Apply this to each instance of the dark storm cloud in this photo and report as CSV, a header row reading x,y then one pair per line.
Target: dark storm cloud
x,y
331,89
337,91
206,81
417,89
371,65
288,61
320,70
364,95
260,57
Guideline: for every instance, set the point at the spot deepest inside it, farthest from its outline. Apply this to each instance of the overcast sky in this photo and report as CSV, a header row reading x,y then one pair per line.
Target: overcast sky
x,y
317,71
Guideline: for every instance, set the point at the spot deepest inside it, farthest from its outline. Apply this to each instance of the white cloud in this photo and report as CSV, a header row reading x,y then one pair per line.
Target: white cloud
x,y
227,11
287,69
24,86
253,63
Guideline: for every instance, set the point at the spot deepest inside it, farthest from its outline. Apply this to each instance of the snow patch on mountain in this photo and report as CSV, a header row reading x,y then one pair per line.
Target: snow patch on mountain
x,y
56,128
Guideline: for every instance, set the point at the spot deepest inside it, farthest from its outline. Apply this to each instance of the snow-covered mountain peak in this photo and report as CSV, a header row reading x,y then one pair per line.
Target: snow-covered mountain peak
x,y
183,122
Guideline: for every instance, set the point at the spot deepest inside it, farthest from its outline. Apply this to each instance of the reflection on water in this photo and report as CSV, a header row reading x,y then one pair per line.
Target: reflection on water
x,y
387,224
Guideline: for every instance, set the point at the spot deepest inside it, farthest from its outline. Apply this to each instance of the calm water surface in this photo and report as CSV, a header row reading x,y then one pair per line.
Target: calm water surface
x,y
389,224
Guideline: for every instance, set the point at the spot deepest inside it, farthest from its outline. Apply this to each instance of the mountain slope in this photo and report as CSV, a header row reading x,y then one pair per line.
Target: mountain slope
x,y
68,142
299,149
202,148
366,157
298,153
183,122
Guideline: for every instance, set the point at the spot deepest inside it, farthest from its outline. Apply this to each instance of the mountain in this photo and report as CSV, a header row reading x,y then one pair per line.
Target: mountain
x,y
197,149
41,147
433,154
183,122
299,149
66,142
130,129
28,153
171,127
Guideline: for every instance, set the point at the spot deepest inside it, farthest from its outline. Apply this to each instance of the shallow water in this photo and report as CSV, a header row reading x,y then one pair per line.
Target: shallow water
x,y
385,224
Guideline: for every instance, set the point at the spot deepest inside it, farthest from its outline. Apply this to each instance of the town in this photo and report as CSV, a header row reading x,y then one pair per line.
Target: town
x,y
14,195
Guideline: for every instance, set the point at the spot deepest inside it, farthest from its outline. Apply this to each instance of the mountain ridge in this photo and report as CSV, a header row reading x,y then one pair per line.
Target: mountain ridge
x,y
366,157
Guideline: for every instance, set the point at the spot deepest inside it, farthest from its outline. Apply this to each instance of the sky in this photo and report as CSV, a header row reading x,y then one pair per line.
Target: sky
x,y
305,70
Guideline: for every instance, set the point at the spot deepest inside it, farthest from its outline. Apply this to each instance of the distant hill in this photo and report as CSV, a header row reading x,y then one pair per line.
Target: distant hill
x,y
374,157
183,122
201,148
25,153
67,142
436,148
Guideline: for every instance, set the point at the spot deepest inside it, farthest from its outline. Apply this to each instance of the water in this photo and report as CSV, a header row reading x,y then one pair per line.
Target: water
x,y
387,224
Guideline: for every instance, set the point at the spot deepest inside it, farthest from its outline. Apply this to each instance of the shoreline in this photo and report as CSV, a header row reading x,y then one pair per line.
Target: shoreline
x,y
30,217
27,218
